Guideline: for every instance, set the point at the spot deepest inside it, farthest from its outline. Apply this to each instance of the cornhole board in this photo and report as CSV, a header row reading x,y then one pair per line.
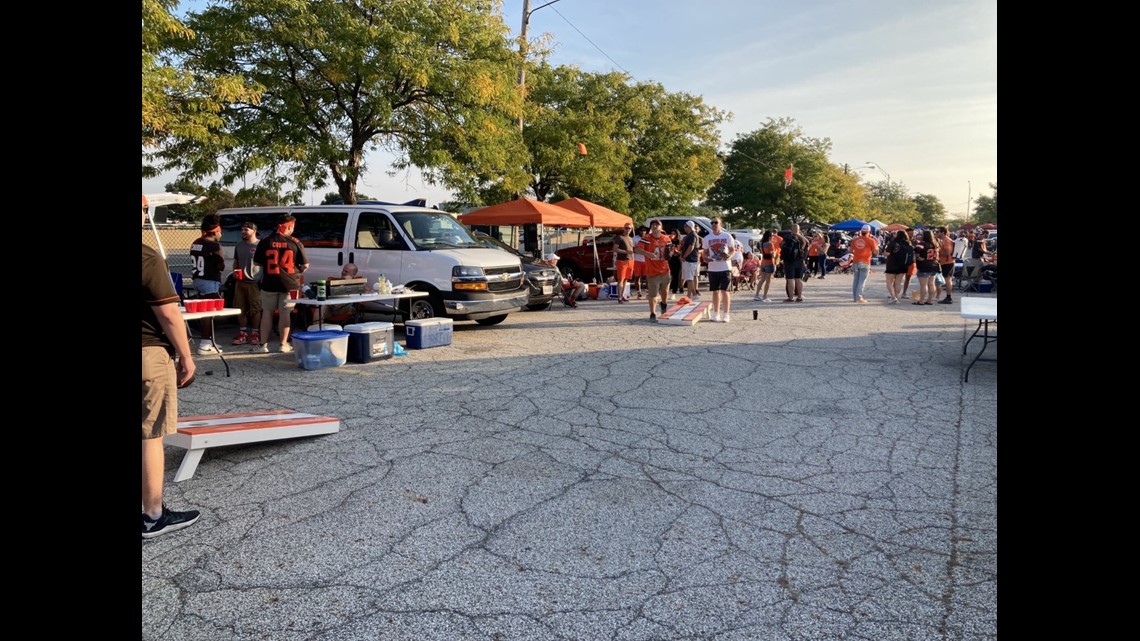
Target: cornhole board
x,y
198,433
687,314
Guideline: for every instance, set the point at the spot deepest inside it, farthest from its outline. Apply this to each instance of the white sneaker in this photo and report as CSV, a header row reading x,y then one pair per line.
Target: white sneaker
x,y
725,319
260,349
716,317
285,348
208,348
758,299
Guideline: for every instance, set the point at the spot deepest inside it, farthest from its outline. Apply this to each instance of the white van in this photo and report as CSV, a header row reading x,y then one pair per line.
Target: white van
x,y
425,249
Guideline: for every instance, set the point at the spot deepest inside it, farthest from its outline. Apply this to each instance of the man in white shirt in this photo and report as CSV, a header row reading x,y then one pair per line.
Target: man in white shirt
x,y
719,247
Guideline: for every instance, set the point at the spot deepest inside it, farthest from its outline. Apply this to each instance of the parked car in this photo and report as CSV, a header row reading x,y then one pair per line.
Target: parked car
x,y
542,281
579,260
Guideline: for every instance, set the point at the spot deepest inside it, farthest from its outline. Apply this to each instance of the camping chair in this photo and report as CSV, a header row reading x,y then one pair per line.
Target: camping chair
x,y
970,277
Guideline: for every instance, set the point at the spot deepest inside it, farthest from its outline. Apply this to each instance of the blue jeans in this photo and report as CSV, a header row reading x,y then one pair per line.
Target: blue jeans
x,y
862,270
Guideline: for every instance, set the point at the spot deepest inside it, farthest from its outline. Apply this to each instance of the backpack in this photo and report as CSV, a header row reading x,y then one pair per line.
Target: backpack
x,y
907,253
792,251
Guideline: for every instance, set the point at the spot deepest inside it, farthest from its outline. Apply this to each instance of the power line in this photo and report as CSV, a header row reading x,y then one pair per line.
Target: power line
x,y
589,41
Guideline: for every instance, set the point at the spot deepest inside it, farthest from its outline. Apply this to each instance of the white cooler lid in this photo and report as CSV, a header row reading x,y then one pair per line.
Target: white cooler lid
x,y
367,328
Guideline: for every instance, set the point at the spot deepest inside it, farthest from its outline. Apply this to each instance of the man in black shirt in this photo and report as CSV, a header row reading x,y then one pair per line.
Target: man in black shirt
x,y
209,261
282,260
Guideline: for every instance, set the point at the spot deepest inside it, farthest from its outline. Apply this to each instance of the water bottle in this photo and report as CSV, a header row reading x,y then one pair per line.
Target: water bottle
x,y
321,290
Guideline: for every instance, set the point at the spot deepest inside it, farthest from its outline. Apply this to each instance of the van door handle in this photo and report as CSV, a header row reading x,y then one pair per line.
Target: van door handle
x,y
352,257
340,258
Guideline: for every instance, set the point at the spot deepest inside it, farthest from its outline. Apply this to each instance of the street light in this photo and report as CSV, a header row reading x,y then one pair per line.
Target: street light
x,y
522,43
876,165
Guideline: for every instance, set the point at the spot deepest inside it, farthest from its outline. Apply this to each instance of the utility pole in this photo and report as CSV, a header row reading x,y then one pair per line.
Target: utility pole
x,y
969,195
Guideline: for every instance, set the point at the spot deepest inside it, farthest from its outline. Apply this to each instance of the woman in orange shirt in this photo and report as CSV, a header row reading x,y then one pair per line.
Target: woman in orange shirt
x,y
863,247
817,255
768,250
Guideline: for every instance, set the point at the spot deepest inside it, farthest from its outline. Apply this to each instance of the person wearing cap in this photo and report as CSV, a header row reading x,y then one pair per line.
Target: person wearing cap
x,y
163,339
862,248
247,294
656,248
574,289
691,259
209,263
282,260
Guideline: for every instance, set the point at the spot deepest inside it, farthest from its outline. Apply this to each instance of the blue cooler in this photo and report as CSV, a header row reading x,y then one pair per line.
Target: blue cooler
x,y
428,332
317,350
369,342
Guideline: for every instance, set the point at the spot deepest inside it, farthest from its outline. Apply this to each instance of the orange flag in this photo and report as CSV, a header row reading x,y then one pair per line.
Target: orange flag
x,y
788,177
581,149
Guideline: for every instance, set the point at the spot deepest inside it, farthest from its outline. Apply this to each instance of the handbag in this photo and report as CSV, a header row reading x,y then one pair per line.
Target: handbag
x,y
940,280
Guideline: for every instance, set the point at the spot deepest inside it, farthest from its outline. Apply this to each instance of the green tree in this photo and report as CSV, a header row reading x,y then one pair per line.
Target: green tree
x,y
649,151
752,192
177,104
931,211
985,211
891,203
431,80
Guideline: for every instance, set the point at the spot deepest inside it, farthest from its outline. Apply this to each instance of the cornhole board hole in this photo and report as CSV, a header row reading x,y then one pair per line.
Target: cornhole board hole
x,y
687,314
198,433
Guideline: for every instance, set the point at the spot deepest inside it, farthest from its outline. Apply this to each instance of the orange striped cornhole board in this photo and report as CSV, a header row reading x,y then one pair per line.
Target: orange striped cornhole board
x,y
198,433
687,314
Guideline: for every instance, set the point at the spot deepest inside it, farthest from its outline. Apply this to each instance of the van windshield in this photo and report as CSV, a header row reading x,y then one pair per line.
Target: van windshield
x,y
434,231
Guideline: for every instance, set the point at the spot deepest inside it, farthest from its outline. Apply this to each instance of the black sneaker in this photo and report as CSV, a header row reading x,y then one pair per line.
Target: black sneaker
x,y
652,317
946,301
168,522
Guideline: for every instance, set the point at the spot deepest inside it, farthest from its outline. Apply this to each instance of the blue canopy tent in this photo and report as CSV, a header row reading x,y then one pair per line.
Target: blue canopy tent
x,y
851,225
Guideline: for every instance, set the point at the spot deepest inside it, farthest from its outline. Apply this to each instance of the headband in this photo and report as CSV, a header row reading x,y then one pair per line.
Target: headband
x,y
212,230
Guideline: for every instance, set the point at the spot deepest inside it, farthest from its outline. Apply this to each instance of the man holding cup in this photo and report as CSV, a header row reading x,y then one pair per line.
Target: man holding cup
x,y
208,263
247,294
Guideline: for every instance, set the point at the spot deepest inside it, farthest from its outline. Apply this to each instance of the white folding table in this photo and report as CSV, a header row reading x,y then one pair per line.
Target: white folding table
x,y
212,314
984,310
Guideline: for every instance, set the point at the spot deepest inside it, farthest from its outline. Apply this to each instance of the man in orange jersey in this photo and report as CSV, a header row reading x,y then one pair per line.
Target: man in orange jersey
x,y
863,247
656,247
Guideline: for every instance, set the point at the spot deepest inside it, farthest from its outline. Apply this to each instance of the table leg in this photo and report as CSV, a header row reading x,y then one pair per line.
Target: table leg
x,y
986,340
213,332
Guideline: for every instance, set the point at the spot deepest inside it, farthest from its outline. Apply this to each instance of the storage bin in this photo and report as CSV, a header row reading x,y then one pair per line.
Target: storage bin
x,y
325,327
317,350
369,342
985,288
428,332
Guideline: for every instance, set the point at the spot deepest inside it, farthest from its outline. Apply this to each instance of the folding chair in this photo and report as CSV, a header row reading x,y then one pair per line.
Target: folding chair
x,y
970,277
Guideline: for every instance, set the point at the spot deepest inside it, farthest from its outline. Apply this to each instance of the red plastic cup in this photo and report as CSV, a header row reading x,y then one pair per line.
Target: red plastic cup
x,y
293,294
238,274
192,306
219,304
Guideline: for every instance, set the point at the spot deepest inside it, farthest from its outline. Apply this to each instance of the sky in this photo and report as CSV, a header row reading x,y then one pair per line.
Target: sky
x,y
908,85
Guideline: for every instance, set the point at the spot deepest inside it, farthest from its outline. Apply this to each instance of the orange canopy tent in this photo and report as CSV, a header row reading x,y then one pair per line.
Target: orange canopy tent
x,y
895,227
523,211
599,216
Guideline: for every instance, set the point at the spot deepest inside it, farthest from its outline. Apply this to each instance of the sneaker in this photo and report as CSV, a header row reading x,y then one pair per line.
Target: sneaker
x,y
285,348
241,339
255,338
652,317
716,317
638,295
207,348
169,521
893,301
725,319
260,349
758,299
946,301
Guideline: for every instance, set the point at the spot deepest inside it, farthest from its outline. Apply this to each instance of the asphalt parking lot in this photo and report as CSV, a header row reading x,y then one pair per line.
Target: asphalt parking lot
x,y
822,472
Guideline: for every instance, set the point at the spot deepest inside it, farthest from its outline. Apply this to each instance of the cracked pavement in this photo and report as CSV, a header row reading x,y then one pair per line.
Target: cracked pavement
x,y
819,473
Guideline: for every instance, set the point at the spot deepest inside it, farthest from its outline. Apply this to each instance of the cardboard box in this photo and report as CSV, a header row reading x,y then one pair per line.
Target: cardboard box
x,y
318,350
428,332
341,287
369,342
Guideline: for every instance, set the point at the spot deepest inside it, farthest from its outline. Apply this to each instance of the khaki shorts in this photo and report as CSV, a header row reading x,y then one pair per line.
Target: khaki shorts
x,y
657,283
279,301
159,393
247,297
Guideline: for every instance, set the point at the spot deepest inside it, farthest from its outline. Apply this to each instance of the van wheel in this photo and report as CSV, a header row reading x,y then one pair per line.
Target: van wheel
x,y
492,320
422,308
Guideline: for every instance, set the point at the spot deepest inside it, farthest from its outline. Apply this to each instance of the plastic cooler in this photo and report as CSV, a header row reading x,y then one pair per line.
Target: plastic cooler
x,y
369,342
428,332
318,350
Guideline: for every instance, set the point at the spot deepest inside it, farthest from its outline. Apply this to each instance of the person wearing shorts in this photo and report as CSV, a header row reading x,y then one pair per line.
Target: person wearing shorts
x,y
691,259
282,260
209,262
946,262
719,247
638,260
163,337
623,260
767,266
656,248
